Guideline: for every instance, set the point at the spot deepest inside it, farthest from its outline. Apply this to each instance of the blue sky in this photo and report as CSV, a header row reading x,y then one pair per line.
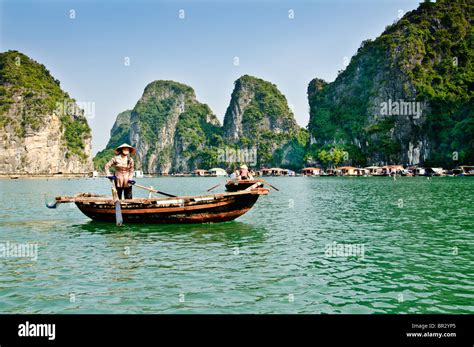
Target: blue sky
x,y
88,53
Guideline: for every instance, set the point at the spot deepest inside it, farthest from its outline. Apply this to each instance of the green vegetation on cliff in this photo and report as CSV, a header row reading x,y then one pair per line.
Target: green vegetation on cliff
x,y
173,132
258,117
28,93
178,132
267,101
200,138
427,57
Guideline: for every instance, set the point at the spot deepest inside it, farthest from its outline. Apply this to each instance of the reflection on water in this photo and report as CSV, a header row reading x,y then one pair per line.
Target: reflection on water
x,y
234,231
417,237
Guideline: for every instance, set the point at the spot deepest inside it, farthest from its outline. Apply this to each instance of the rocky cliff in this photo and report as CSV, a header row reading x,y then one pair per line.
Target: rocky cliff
x,y
173,132
170,129
258,118
42,130
405,97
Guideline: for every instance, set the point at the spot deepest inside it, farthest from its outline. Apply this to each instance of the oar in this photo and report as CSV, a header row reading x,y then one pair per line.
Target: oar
x,y
154,190
261,179
214,187
118,208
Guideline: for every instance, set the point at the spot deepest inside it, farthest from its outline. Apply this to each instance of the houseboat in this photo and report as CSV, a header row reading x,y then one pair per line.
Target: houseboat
x,y
389,170
200,172
274,171
346,171
374,170
311,171
216,171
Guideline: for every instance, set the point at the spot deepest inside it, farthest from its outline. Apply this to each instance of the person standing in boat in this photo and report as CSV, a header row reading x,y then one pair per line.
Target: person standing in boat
x,y
124,168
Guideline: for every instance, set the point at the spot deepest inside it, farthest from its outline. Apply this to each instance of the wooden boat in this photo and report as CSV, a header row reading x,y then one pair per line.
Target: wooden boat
x,y
237,185
211,208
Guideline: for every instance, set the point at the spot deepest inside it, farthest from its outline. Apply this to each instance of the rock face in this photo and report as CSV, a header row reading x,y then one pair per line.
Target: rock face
x,y
258,118
42,130
170,129
405,97
173,132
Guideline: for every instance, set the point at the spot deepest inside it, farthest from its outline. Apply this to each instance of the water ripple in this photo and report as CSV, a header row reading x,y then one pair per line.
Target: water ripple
x,y
417,238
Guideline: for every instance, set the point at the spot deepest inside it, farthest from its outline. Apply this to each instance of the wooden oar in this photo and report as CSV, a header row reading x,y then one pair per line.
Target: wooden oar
x,y
154,190
214,187
261,179
118,208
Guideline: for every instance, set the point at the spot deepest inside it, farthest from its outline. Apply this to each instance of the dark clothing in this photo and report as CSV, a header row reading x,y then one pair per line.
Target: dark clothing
x,y
127,191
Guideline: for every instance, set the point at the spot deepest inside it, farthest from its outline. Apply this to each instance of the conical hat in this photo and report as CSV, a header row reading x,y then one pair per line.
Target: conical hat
x,y
244,167
125,145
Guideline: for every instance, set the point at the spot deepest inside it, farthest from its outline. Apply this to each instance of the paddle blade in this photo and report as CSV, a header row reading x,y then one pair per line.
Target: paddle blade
x,y
118,213
51,205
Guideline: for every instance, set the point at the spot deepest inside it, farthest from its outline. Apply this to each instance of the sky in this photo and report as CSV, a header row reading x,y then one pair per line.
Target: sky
x,y
106,52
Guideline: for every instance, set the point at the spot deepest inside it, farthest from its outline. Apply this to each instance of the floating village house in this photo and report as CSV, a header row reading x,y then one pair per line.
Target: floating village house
x,y
347,170
217,171
311,171
274,171
200,172
374,170
392,169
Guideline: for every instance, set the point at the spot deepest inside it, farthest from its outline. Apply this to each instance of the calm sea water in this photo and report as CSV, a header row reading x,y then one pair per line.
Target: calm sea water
x,y
408,247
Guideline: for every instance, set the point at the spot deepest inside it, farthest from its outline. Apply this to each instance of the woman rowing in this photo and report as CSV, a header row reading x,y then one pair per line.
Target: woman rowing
x,y
124,167
244,173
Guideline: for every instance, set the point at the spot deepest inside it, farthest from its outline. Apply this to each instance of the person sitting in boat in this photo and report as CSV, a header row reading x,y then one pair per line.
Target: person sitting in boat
x,y
124,167
244,173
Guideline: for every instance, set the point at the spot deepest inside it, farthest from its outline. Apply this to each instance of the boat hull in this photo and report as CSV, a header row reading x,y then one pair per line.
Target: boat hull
x,y
180,210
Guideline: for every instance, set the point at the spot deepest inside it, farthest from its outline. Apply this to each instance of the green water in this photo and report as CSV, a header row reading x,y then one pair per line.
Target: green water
x,y
414,239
